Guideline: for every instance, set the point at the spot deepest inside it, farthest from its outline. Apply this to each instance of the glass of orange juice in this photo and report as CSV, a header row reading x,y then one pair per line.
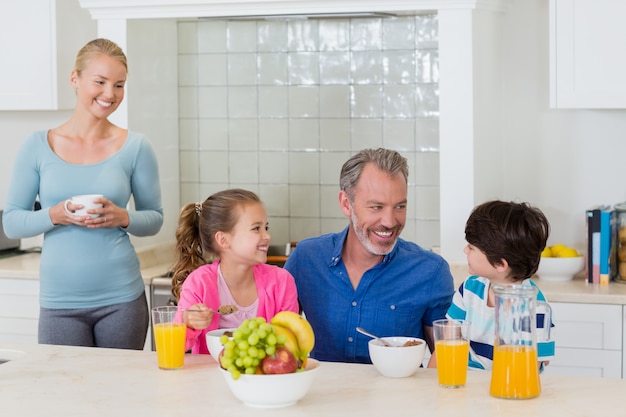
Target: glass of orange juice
x,y
452,348
169,331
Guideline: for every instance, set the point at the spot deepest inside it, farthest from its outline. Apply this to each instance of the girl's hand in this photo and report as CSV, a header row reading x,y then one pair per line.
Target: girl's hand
x,y
198,316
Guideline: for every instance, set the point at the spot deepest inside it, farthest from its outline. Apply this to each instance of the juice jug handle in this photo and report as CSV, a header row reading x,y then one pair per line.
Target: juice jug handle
x,y
547,321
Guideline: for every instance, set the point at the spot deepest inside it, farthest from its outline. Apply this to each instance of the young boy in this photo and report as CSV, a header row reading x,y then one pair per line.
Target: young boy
x,y
504,245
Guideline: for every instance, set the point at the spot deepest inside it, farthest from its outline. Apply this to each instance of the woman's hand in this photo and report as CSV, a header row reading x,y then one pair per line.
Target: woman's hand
x,y
198,316
110,215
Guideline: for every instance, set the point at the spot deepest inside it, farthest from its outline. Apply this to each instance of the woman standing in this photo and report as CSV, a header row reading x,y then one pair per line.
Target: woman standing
x,y
91,290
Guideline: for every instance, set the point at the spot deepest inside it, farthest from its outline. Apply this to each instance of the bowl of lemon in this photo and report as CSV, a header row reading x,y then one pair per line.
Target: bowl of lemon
x,y
560,263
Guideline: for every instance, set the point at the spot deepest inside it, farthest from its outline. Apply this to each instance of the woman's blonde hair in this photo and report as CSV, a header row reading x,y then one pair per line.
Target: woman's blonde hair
x,y
96,47
197,225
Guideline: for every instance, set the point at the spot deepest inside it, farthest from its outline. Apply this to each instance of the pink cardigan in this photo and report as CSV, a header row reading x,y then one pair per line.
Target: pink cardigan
x,y
276,288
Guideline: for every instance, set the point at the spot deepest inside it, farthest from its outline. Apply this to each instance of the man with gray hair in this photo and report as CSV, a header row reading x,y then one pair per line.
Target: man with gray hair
x,y
367,276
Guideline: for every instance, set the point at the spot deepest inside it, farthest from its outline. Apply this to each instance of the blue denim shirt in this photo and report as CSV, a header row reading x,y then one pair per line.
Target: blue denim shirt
x,y
409,289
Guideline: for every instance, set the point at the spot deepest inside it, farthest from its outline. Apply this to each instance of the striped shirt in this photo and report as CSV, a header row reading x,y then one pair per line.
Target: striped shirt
x,y
470,303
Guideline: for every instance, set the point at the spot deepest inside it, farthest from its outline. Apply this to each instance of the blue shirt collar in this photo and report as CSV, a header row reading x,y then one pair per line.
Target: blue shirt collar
x,y
336,254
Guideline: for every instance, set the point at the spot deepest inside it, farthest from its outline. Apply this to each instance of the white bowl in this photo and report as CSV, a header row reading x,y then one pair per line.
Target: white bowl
x,y
397,361
213,342
560,269
272,391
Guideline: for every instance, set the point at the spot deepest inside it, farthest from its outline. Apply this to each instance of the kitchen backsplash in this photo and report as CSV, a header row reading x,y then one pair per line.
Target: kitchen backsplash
x,y
277,106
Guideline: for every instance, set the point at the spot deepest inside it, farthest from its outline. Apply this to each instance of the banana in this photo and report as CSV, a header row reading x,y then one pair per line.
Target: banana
x,y
300,327
291,343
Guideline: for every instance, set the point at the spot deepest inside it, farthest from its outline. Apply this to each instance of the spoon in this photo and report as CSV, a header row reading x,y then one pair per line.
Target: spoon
x,y
383,341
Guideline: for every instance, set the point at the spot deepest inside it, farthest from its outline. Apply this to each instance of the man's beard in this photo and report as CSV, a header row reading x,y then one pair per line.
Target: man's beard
x,y
361,234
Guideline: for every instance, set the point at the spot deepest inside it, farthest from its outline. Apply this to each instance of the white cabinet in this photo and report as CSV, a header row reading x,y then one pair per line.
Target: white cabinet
x,y
588,340
587,54
19,310
39,40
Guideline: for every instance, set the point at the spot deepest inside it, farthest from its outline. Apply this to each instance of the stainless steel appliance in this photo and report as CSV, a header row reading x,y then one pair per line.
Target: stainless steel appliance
x,y
5,242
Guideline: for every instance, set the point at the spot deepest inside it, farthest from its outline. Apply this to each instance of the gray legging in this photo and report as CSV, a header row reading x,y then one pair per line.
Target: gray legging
x,y
122,326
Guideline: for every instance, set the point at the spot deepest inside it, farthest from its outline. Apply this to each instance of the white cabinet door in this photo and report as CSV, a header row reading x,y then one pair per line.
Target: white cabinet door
x,y
587,54
39,40
588,340
19,310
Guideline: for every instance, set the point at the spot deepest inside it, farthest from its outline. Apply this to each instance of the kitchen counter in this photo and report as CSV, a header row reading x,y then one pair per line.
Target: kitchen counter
x,y
574,291
75,381
155,262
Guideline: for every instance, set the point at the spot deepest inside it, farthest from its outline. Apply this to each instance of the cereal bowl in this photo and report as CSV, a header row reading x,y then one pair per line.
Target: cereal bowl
x,y
272,391
213,341
397,360
560,269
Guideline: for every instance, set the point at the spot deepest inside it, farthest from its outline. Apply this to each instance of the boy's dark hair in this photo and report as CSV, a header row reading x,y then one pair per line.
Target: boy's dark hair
x,y
512,231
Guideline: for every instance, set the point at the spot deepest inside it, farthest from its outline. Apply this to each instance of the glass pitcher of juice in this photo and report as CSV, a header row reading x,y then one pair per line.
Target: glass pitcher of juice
x,y
515,371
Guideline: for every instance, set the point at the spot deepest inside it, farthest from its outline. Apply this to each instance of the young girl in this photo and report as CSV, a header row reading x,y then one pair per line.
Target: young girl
x,y
230,225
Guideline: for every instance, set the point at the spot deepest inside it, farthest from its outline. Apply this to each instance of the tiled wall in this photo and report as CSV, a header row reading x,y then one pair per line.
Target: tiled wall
x,y
277,106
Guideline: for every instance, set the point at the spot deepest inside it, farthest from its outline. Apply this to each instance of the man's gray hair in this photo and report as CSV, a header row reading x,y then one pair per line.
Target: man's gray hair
x,y
386,160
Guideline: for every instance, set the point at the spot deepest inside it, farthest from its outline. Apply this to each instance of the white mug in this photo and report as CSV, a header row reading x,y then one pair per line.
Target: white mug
x,y
86,201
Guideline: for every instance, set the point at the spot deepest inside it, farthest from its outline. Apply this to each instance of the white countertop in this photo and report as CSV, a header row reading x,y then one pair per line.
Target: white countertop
x,y
75,381
154,261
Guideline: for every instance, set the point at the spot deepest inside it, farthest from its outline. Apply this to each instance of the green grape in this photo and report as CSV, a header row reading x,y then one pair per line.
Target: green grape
x,y
224,339
253,340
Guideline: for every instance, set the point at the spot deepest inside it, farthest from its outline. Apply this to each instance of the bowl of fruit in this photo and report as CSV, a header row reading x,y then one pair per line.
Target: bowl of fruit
x,y
213,341
266,365
400,359
560,263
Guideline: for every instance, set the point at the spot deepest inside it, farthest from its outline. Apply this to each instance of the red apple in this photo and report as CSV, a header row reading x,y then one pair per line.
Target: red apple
x,y
281,362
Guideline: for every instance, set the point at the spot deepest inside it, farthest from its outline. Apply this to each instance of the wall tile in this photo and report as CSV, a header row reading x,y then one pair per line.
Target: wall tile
x,y
304,201
399,67
273,101
366,34
241,36
304,168
303,68
274,168
367,67
304,101
399,134
334,35
188,134
398,33
272,36
212,102
272,69
278,106
188,70
335,134
242,69
243,135
243,168
334,101
367,133
304,134
211,36
276,200
189,171
274,134
213,166
334,68
242,102
302,35
330,167
213,134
